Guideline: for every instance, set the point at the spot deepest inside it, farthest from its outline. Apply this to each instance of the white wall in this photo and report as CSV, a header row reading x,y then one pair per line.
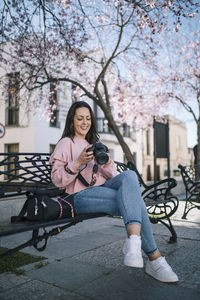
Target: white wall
x,y
44,134
23,134
34,133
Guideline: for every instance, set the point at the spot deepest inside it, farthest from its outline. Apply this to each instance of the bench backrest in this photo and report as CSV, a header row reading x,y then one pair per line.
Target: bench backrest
x,y
189,175
22,171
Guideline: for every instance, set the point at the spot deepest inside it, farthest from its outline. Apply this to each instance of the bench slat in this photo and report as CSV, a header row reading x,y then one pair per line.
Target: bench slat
x,y
9,228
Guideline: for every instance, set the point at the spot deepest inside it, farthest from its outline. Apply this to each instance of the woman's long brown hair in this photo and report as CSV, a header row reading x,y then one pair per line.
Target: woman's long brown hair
x,y
92,135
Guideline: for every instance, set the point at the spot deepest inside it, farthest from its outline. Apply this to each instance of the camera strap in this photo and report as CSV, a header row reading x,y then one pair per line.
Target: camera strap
x,y
93,180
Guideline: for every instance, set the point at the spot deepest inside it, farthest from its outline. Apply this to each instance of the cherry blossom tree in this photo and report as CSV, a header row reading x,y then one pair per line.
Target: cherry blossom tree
x,y
180,71
186,79
105,49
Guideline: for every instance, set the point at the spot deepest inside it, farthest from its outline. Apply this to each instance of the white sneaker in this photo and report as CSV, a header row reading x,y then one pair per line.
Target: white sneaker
x,y
133,252
161,270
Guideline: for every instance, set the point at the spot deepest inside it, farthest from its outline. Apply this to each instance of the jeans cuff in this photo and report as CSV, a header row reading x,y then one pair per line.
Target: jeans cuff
x,y
132,222
152,252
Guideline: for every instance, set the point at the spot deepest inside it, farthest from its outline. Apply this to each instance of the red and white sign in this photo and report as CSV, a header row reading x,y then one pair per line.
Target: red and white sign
x,y
2,130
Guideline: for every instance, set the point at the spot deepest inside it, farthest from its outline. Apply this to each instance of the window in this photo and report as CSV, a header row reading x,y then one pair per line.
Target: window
x,y
158,172
148,173
178,142
51,148
12,110
126,130
11,148
148,141
102,126
53,103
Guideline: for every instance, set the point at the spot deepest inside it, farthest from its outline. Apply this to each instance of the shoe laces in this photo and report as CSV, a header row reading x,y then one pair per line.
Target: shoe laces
x,y
162,265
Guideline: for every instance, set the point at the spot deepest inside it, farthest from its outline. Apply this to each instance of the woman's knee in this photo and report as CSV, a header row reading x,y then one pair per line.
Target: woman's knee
x,y
129,174
130,177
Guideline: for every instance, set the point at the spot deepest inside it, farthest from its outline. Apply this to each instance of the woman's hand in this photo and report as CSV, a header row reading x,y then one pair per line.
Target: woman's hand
x,y
84,157
109,160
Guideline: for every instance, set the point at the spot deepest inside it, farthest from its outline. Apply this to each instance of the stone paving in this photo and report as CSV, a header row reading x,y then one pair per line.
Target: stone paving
x,y
86,262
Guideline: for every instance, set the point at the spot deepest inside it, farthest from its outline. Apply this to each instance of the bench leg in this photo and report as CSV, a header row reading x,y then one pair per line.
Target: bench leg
x,y
173,238
38,238
18,248
32,242
186,210
188,207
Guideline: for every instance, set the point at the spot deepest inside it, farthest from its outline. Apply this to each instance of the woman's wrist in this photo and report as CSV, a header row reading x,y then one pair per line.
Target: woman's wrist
x,y
78,164
68,170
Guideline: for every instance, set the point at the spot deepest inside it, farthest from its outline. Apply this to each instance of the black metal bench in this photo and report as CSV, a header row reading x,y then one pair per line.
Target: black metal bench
x,y
22,172
191,180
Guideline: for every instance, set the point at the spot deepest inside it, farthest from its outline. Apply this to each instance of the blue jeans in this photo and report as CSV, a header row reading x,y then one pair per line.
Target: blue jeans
x,y
119,196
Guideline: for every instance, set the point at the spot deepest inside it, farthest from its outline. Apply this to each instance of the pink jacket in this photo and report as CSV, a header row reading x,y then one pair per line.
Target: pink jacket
x,y
67,151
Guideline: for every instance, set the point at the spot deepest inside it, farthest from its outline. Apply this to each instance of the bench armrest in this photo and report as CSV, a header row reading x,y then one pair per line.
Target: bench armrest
x,y
171,183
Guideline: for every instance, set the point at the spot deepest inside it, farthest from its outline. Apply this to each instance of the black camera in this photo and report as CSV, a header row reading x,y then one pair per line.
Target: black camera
x,y
100,153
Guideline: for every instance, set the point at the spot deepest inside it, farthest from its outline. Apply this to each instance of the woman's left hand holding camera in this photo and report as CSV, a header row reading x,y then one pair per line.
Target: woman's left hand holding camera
x,y
85,157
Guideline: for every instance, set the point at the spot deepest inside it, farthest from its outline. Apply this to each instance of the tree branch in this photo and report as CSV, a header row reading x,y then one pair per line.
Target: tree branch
x,y
185,105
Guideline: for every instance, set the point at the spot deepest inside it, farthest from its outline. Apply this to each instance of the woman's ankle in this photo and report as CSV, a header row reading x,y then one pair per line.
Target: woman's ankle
x,y
133,229
154,256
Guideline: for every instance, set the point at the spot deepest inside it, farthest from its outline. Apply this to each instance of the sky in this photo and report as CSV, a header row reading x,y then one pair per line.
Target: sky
x,y
189,25
191,133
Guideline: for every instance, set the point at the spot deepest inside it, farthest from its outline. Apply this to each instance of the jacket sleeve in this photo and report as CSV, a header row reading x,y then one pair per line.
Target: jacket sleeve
x,y
109,171
63,171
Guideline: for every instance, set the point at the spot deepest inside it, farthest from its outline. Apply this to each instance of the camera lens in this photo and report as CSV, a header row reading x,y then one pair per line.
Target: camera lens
x,y
99,151
101,158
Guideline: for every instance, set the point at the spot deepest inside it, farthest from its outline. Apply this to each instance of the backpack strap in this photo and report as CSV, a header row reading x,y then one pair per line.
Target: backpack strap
x,y
20,217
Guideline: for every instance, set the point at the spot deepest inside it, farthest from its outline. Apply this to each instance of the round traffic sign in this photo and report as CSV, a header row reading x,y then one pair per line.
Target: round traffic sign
x,y
2,130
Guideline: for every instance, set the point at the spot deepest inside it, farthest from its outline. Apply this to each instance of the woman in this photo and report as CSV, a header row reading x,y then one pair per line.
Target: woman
x,y
108,191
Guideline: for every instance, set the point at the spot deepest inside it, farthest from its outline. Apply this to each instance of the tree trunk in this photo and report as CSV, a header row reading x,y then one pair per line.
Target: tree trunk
x,y
123,144
119,136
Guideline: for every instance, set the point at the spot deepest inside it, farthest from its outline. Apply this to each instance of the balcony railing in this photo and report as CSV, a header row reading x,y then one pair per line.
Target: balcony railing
x,y
102,127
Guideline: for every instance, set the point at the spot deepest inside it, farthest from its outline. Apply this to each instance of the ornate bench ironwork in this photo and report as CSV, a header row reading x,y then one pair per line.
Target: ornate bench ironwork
x,y
191,180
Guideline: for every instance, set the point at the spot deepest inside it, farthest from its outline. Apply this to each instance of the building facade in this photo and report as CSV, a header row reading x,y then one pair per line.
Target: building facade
x,y
178,152
33,131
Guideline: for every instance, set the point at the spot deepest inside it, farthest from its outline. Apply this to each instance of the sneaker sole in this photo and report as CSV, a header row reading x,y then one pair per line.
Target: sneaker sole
x,y
159,279
134,264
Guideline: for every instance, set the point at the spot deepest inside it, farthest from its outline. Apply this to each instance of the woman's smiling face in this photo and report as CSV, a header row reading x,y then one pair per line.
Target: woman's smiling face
x,y
82,122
